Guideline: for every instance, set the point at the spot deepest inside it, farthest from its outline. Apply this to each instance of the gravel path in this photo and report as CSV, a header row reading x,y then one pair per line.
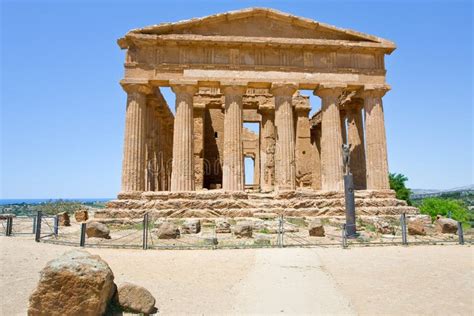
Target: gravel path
x,y
422,280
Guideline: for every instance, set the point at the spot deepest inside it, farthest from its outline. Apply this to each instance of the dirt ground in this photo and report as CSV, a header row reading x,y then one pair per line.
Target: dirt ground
x,y
415,280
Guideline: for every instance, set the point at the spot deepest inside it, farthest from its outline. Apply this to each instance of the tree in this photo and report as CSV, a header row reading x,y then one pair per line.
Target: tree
x,y
440,206
397,183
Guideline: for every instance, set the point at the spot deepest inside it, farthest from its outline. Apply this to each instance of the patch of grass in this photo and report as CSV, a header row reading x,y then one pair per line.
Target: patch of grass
x,y
298,221
264,231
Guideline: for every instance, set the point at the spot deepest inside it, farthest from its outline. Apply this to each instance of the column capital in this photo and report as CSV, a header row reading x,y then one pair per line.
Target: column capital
x,y
137,87
283,88
375,90
330,89
233,88
184,86
356,104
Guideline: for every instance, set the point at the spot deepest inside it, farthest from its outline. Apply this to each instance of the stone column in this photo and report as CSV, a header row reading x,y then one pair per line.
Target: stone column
x,y
133,165
199,145
316,157
233,164
355,135
285,143
331,137
267,148
375,139
303,163
182,174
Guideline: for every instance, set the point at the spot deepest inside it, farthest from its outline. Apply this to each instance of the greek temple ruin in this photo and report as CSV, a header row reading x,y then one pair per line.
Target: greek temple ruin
x,y
257,66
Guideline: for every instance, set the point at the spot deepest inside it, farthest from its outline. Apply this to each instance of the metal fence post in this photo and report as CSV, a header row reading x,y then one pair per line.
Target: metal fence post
x,y
56,225
8,231
344,236
403,223
82,241
145,231
281,230
34,224
38,226
460,234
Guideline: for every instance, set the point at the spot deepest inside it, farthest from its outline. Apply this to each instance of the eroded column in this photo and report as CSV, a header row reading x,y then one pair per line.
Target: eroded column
x,y
331,137
376,144
267,148
182,174
134,165
233,169
285,142
355,135
316,157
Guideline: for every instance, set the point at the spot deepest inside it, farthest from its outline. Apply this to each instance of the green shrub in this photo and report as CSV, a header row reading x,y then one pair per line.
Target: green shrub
x,y
59,206
437,206
397,183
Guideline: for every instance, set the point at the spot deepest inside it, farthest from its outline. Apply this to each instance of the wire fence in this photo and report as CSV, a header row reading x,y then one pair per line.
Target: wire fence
x,y
147,233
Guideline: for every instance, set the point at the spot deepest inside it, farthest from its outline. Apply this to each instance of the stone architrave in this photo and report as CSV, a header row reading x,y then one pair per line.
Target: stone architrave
x,y
375,139
182,175
233,169
331,138
285,172
133,165
355,134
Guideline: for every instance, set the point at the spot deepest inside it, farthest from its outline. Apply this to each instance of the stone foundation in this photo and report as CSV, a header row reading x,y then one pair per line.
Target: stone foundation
x,y
217,203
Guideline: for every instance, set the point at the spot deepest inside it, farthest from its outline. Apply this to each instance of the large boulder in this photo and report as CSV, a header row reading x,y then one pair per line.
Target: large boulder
x,y
416,227
135,299
446,225
222,226
243,230
191,226
96,229
316,228
76,283
63,219
167,230
81,215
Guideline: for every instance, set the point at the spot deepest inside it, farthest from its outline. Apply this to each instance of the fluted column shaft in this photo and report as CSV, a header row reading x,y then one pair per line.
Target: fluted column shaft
x,y
316,157
331,138
233,167
182,174
267,150
134,164
355,135
376,144
285,170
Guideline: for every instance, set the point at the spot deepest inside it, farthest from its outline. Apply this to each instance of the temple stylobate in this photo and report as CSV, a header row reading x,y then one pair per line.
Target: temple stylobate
x,y
253,66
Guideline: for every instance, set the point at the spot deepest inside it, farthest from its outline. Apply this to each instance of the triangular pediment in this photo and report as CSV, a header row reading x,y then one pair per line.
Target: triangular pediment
x,y
260,23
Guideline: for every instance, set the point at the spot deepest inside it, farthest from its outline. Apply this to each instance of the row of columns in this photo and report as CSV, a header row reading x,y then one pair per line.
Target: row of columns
x,y
278,139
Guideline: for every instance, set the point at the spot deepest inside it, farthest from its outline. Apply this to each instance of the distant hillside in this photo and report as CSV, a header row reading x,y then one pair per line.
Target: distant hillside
x,y
465,193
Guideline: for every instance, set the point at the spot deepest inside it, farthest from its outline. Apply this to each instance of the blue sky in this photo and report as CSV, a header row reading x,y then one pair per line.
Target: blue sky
x,y
62,109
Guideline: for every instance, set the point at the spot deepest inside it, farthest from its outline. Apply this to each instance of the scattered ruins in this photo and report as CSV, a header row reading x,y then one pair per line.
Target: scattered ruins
x,y
253,66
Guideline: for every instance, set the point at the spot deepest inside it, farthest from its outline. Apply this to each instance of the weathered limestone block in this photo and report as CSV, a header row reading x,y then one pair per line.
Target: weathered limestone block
x,y
416,227
316,228
191,226
76,283
263,240
135,299
446,225
167,230
63,219
96,229
222,226
6,216
243,230
81,215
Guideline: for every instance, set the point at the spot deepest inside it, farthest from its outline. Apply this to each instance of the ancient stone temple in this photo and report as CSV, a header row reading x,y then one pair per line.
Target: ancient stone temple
x,y
254,65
